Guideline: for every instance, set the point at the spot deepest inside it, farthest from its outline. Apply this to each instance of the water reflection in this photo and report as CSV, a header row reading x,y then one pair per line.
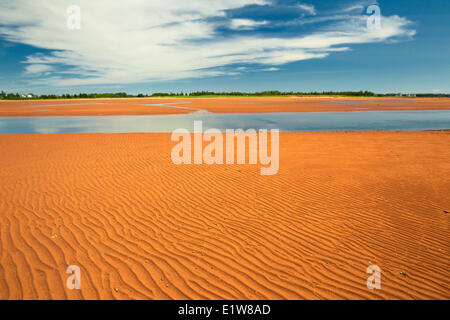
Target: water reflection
x,y
321,121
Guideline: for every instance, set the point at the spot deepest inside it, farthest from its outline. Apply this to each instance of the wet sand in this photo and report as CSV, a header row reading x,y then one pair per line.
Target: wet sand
x,y
141,227
109,107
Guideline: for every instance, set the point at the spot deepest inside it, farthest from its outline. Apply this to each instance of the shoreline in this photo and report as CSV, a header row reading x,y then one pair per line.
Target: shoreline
x,y
135,106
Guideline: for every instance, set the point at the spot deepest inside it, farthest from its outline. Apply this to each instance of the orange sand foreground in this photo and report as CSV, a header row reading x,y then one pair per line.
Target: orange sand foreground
x,y
142,106
140,227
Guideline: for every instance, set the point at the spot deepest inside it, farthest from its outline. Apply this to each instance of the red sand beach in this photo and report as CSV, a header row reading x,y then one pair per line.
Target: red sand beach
x,y
105,107
141,227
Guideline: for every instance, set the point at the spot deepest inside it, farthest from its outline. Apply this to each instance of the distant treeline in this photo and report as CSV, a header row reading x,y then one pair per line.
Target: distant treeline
x,y
30,96
263,94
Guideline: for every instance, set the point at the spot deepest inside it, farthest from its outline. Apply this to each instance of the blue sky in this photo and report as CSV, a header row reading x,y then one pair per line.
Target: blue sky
x,y
224,45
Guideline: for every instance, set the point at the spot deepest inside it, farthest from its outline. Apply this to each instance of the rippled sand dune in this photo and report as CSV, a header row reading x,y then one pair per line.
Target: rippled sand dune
x,y
140,227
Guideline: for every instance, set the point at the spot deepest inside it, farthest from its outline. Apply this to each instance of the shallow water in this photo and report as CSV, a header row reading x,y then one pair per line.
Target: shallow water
x,y
288,122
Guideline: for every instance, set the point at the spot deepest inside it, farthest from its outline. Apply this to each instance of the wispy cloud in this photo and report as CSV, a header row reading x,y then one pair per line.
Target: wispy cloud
x,y
271,69
140,40
308,8
357,5
38,68
247,24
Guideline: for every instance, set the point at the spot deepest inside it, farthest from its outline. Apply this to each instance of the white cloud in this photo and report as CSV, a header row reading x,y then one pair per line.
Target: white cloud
x,y
359,5
245,24
141,40
271,69
38,68
355,7
308,8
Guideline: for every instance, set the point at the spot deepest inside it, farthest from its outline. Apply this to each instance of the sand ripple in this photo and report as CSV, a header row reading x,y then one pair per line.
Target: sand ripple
x,y
142,228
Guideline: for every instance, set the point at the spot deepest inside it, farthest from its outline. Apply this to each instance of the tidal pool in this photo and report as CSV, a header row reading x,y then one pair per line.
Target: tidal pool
x,y
287,122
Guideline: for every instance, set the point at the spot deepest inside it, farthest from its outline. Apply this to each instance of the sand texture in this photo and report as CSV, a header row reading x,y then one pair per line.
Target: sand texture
x,y
141,227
